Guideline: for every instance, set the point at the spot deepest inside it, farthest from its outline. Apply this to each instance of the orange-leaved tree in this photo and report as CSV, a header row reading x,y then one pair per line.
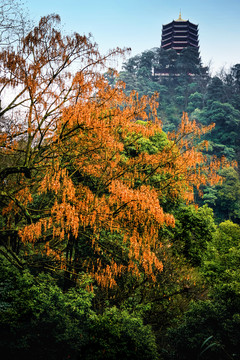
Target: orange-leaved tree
x,y
85,168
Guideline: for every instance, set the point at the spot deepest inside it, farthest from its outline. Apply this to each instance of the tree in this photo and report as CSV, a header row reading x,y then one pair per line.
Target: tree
x,y
224,137
231,81
82,193
194,229
222,258
228,195
195,101
215,90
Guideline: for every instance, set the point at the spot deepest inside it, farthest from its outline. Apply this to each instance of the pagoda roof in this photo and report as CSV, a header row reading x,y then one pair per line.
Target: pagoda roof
x,y
183,22
180,21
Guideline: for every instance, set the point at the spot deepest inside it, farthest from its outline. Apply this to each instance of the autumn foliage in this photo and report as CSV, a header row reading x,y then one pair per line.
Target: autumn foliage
x,y
81,193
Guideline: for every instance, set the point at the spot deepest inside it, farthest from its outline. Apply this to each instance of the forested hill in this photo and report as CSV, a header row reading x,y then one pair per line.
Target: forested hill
x,y
188,87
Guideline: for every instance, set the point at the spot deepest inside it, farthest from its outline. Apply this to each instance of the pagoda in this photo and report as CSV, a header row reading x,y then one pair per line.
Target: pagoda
x,y
179,46
179,34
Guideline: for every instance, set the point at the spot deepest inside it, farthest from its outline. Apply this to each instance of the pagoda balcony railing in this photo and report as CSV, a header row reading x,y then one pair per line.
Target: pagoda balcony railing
x,y
185,28
180,39
189,31
167,40
194,45
166,34
167,27
194,27
177,48
193,32
184,37
166,44
180,42
179,35
180,31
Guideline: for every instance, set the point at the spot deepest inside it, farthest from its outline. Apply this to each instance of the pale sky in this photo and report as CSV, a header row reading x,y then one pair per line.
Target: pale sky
x,y
138,23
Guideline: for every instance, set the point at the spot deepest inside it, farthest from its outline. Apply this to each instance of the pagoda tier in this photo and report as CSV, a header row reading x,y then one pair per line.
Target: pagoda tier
x,y
179,34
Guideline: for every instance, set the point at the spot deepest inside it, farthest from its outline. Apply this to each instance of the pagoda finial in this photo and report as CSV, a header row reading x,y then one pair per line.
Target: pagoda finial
x,y
180,16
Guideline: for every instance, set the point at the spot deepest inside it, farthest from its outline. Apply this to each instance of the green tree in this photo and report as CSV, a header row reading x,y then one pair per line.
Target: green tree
x,y
224,136
231,81
210,328
215,90
228,195
195,101
38,320
225,198
194,229
221,261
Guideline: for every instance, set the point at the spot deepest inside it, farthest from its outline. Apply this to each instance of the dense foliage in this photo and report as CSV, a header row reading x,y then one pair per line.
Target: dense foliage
x,y
207,100
104,253
40,321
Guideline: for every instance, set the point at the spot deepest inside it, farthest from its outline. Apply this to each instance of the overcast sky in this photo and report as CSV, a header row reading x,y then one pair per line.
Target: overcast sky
x,y
138,23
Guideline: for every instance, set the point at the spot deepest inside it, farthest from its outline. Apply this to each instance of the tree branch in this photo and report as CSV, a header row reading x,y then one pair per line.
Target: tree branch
x,y
15,170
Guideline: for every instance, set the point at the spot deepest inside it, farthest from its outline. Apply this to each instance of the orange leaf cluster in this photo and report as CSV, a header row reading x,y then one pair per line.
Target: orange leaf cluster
x,y
115,203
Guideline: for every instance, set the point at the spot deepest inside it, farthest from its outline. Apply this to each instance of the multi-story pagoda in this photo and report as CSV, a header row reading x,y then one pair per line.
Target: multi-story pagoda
x,y
179,34
179,51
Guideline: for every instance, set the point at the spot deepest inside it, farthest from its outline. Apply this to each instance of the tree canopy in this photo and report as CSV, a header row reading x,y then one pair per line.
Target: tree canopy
x,y
79,170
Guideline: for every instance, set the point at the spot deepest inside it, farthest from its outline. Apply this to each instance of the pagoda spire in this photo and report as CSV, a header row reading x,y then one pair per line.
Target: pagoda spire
x,y
180,16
